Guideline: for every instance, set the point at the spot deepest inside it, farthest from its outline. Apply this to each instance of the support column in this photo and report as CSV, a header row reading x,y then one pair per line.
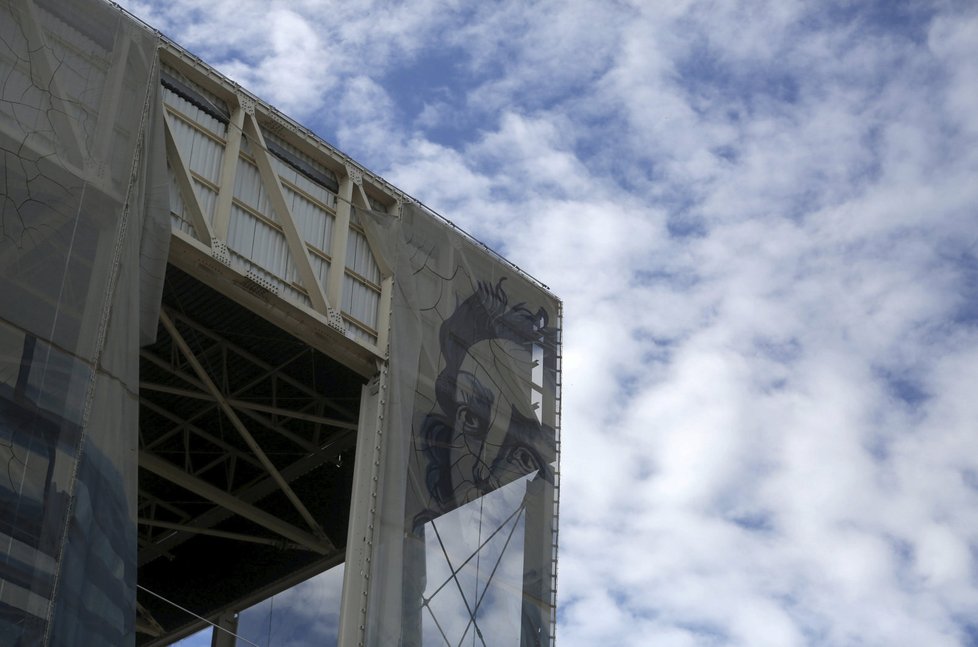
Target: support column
x,y
341,233
365,522
228,622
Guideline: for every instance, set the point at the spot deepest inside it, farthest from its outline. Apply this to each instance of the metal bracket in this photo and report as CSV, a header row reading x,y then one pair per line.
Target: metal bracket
x,y
260,282
335,320
356,175
219,250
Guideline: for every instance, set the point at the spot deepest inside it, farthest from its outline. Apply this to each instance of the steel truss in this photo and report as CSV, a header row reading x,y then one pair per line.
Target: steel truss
x,y
282,428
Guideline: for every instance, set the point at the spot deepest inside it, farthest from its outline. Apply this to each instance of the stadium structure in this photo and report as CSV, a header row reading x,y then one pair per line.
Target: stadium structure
x,y
231,359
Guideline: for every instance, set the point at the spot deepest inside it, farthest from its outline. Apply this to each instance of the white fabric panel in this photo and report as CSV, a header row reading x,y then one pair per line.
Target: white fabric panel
x,y
81,299
79,76
464,470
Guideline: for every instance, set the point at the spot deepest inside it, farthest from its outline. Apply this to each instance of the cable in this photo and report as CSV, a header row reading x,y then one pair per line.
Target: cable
x,y
185,610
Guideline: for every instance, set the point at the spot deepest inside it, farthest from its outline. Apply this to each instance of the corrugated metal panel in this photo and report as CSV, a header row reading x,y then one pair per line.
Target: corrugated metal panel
x,y
176,198
241,231
360,301
314,223
244,266
207,198
320,193
289,293
239,263
320,266
249,190
178,223
359,334
270,250
285,172
207,157
194,113
246,146
359,258
216,102
312,166
203,154
179,218
247,184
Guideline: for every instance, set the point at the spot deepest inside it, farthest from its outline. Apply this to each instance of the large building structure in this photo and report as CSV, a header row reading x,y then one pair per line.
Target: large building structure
x,y
231,358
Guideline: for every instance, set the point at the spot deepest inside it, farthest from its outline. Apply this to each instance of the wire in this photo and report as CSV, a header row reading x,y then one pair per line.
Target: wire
x,y
185,610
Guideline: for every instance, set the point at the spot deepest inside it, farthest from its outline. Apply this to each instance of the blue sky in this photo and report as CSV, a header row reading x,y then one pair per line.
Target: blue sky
x,y
761,217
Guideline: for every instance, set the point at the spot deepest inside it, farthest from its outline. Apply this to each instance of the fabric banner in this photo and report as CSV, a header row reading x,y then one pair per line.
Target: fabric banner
x,y
465,540
83,248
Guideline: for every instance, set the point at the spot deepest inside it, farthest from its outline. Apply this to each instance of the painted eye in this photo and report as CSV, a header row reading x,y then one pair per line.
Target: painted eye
x,y
470,421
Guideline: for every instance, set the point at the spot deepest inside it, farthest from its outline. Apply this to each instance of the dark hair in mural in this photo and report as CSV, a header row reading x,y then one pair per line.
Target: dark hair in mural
x,y
472,442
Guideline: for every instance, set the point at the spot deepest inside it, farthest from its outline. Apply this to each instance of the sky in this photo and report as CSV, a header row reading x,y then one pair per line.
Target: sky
x,y
762,218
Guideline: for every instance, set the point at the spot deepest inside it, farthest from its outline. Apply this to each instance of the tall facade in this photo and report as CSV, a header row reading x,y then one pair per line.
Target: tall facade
x,y
231,358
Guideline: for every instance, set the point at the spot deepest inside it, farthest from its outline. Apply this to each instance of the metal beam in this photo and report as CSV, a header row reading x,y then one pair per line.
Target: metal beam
x,y
229,168
242,430
288,413
182,171
280,430
341,442
169,368
272,370
171,472
250,406
341,232
297,246
152,501
237,536
185,424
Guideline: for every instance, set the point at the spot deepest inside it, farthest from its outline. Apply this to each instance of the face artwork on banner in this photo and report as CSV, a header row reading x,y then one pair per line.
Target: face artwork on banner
x,y
483,430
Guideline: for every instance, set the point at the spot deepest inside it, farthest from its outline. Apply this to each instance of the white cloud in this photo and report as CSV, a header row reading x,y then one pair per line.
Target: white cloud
x,y
759,216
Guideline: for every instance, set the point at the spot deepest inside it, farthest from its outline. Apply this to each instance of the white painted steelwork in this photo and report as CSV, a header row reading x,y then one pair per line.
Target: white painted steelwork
x,y
273,205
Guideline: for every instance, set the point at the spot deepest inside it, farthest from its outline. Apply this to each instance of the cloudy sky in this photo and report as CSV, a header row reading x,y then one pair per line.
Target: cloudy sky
x,y
762,218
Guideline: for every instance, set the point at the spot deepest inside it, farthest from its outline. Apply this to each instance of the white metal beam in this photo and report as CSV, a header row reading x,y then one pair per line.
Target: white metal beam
x,y
174,474
229,168
341,233
276,194
186,183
